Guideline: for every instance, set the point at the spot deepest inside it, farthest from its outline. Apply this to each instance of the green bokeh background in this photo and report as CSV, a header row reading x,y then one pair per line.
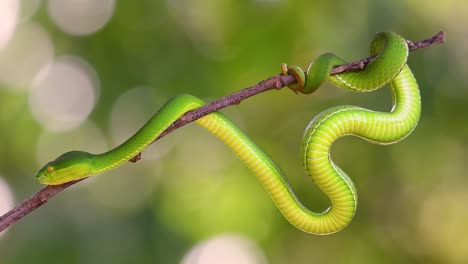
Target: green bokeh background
x,y
413,196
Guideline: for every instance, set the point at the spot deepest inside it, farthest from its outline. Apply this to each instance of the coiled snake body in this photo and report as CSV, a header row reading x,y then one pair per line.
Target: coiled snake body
x,y
389,66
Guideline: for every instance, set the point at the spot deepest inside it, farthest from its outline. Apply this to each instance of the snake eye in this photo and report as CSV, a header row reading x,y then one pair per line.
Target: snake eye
x,y
50,169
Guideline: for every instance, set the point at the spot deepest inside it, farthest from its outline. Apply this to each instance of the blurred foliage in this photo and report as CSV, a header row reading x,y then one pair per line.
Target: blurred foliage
x,y
413,195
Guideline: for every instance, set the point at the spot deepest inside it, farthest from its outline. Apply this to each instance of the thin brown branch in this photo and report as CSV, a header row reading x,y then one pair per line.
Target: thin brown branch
x,y
275,82
359,65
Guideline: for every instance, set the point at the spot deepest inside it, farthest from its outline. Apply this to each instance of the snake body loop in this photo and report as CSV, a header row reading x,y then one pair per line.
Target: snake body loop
x,y
378,127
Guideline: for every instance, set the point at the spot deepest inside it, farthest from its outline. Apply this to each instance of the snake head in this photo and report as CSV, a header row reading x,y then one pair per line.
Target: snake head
x,y
67,167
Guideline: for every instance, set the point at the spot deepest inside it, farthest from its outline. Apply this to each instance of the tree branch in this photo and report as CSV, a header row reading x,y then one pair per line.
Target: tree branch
x,y
275,82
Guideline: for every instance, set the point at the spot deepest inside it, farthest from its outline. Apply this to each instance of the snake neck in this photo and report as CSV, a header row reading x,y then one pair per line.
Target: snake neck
x,y
124,152
167,114
108,160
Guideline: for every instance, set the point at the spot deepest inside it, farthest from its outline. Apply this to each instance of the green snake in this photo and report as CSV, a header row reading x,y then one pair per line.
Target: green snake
x,y
389,66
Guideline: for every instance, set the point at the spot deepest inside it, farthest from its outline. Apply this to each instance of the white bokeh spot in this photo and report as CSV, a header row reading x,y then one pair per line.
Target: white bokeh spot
x,y
9,10
29,50
6,199
226,249
80,17
64,94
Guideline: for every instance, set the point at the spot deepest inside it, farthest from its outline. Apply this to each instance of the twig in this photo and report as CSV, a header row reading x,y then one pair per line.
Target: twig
x,y
359,65
275,82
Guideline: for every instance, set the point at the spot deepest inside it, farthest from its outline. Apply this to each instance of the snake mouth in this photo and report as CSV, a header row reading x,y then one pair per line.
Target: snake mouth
x,y
41,178
46,181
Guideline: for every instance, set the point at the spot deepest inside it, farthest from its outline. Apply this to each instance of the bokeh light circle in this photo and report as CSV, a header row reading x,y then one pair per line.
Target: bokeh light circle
x,y
80,17
227,249
63,94
29,50
6,198
9,10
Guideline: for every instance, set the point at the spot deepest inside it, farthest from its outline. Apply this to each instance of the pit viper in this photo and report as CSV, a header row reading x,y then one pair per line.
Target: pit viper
x,y
388,67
